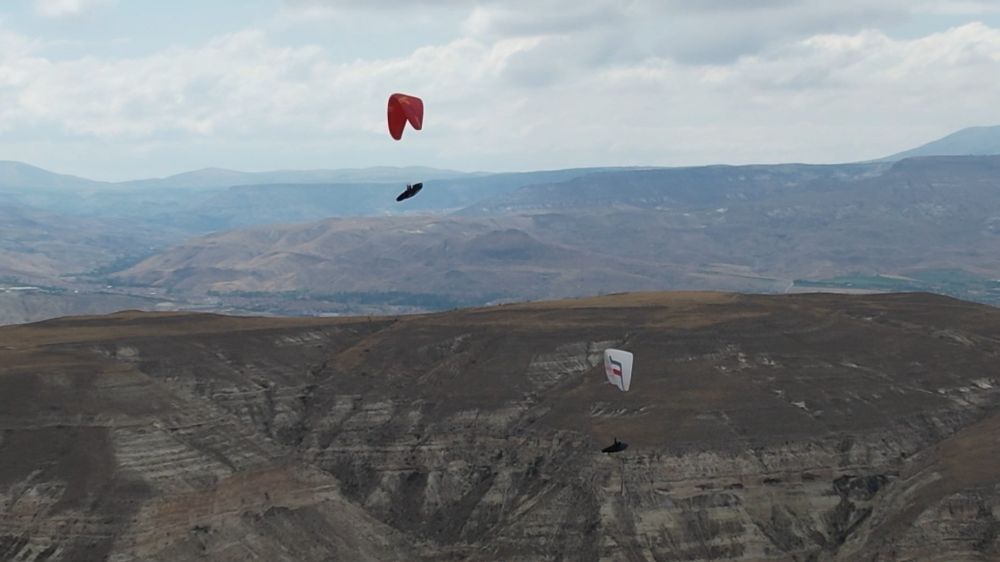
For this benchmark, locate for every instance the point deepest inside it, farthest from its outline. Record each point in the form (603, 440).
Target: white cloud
(544, 17)
(64, 8)
(507, 92)
(957, 7)
(375, 5)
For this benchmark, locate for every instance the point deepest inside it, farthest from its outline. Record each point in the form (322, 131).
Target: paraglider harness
(615, 447)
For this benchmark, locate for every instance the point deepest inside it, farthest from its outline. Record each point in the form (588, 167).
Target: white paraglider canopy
(618, 368)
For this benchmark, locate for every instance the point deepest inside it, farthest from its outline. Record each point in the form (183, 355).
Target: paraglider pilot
(411, 190)
(615, 447)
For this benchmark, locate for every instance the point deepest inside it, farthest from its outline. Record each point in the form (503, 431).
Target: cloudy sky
(119, 89)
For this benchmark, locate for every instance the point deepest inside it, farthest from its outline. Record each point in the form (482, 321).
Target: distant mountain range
(218, 177)
(973, 141)
(745, 228)
(212, 200)
(336, 240)
(17, 175)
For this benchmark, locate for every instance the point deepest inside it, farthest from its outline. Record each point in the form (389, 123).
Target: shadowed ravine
(808, 427)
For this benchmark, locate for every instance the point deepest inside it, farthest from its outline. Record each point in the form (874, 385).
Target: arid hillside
(799, 427)
(926, 224)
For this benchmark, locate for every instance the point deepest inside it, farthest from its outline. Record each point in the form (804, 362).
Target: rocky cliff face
(811, 427)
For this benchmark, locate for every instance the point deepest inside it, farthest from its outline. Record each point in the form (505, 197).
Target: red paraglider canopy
(403, 108)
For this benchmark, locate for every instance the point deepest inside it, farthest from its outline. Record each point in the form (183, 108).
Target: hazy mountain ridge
(223, 204)
(220, 177)
(916, 224)
(725, 228)
(18, 175)
(287, 203)
(84, 235)
(40, 247)
(972, 141)
(690, 188)
(459, 258)
(25, 176)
